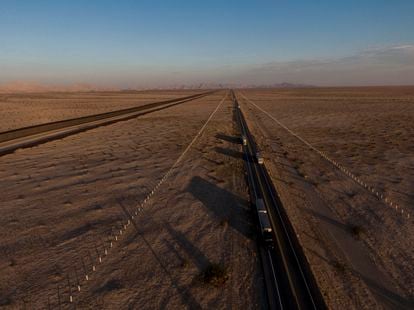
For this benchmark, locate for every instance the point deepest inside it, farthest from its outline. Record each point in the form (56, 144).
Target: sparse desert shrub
(215, 274)
(339, 266)
(57, 272)
(356, 231)
(313, 182)
(351, 194)
(12, 262)
(5, 301)
(111, 285)
(224, 222)
(251, 233)
(300, 173)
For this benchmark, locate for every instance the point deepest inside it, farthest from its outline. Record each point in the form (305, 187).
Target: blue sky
(144, 43)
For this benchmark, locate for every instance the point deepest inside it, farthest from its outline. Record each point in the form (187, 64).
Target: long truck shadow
(196, 255)
(327, 219)
(231, 139)
(390, 298)
(229, 152)
(222, 204)
(184, 292)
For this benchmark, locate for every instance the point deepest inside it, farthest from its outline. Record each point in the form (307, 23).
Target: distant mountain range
(33, 87)
(235, 85)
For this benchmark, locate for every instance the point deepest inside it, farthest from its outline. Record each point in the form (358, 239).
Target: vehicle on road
(244, 140)
(259, 158)
(260, 206)
(264, 221)
(265, 227)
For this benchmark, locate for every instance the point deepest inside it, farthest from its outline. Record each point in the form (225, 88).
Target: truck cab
(259, 158)
(244, 140)
(265, 227)
(260, 206)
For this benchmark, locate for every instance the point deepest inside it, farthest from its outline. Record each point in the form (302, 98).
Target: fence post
(58, 291)
(97, 253)
(70, 289)
(91, 259)
(84, 269)
(77, 279)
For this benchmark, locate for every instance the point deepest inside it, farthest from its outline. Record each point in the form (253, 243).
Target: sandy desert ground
(360, 248)
(64, 201)
(25, 109)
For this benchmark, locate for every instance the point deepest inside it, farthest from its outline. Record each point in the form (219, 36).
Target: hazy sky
(160, 43)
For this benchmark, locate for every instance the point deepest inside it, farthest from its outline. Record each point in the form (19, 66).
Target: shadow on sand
(388, 298)
(231, 139)
(222, 204)
(184, 292)
(229, 152)
(327, 219)
(199, 259)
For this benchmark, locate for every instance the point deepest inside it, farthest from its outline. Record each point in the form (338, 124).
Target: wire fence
(63, 295)
(403, 212)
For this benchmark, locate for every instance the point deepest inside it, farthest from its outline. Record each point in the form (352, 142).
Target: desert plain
(359, 246)
(65, 203)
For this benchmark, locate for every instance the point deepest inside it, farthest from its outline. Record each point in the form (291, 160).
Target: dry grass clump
(215, 274)
(5, 301)
(339, 266)
(12, 262)
(111, 285)
(224, 222)
(184, 263)
(300, 172)
(351, 193)
(356, 231)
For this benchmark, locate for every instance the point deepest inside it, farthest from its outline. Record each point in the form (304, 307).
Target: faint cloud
(402, 47)
(392, 65)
